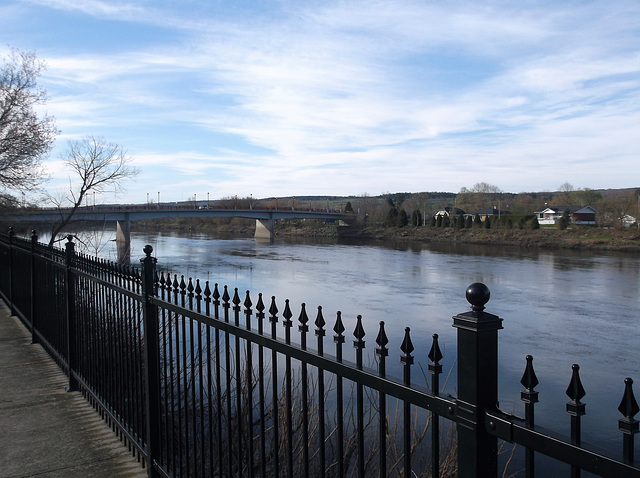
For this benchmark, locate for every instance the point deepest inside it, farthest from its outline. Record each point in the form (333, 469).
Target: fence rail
(198, 380)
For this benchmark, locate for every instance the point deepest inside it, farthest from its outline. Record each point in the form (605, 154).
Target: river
(561, 307)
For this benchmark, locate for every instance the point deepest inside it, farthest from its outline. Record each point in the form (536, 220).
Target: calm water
(560, 307)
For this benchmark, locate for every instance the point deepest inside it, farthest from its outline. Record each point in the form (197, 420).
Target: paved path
(46, 432)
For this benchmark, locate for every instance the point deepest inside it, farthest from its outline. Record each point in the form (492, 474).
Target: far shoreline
(576, 238)
(584, 238)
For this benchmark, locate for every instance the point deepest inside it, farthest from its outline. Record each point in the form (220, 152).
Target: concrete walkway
(45, 431)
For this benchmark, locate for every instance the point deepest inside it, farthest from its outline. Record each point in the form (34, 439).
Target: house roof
(489, 212)
(570, 209)
(448, 211)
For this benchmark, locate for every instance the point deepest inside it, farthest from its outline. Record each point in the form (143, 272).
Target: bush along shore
(580, 238)
(577, 237)
(587, 238)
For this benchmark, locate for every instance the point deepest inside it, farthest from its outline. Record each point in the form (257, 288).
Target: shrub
(468, 222)
(534, 224)
(403, 219)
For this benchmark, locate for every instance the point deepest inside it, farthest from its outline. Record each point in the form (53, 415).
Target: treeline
(510, 210)
(468, 221)
(397, 216)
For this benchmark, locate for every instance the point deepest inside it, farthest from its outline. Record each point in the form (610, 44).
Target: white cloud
(110, 9)
(376, 96)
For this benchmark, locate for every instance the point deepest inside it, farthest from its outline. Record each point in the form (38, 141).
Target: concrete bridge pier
(264, 229)
(123, 240)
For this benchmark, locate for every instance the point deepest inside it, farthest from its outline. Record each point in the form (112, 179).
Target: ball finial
(478, 295)
(147, 250)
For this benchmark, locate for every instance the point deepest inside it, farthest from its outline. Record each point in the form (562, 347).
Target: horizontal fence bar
(446, 408)
(543, 441)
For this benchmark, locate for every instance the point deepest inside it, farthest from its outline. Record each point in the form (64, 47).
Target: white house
(448, 212)
(628, 221)
(580, 215)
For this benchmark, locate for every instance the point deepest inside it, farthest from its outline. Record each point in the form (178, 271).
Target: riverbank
(577, 238)
(590, 238)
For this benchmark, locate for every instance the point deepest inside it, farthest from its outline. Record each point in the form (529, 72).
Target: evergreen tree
(534, 223)
(564, 220)
(392, 216)
(468, 222)
(477, 222)
(416, 218)
(487, 222)
(403, 218)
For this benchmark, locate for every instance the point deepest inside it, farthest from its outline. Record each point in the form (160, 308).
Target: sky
(292, 98)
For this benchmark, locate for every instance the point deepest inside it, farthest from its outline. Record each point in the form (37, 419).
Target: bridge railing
(174, 207)
(200, 380)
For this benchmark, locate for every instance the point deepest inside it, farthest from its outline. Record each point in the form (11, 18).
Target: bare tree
(617, 207)
(566, 188)
(98, 166)
(25, 137)
(565, 195)
(481, 195)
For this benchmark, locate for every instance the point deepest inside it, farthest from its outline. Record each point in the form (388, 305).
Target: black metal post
(435, 369)
(628, 425)
(11, 307)
(530, 397)
(407, 360)
(576, 409)
(70, 285)
(359, 344)
(152, 362)
(477, 385)
(32, 291)
(382, 352)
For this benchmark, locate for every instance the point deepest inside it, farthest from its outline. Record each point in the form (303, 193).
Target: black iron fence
(198, 380)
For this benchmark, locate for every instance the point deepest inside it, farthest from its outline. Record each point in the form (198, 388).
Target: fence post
(11, 271)
(70, 283)
(152, 362)
(477, 385)
(32, 291)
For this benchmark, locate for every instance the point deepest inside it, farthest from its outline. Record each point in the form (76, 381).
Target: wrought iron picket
(196, 385)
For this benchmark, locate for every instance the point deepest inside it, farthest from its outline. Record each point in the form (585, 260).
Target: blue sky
(279, 98)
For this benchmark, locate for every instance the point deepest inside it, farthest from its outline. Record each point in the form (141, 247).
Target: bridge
(123, 215)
